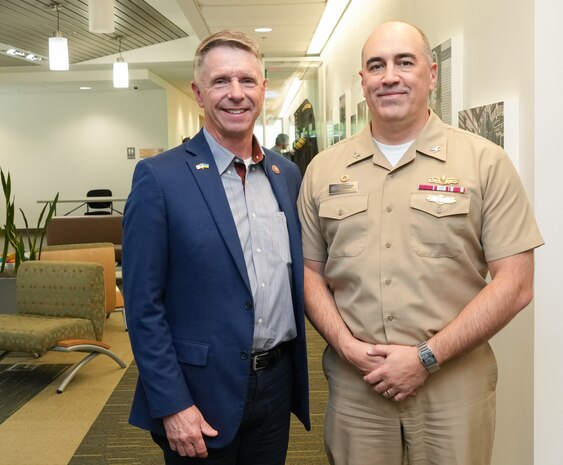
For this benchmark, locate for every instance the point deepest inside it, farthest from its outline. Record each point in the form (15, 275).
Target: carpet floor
(112, 440)
(21, 382)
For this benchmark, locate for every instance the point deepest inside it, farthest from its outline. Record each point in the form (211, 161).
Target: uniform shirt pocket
(437, 223)
(344, 224)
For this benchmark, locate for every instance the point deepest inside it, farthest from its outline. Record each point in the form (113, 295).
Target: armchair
(98, 252)
(60, 307)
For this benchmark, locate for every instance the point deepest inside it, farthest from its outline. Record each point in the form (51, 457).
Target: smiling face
(397, 77)
(230, 87)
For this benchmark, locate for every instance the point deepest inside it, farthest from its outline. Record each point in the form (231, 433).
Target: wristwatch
(427, 357)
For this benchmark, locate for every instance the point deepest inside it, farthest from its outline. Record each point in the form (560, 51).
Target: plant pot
(8, 294)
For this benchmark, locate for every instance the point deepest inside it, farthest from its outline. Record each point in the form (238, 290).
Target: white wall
(184, 113)
(548, 374)
(72, 142)
(498, 50)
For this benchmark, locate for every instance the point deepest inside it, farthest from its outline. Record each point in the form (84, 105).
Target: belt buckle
(255, 359)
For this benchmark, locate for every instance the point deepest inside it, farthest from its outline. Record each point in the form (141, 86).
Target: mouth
(235, 111)
(391, 94)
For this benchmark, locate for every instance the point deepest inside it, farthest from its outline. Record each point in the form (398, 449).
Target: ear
(361, 73)
(433, 75)
(197, 94)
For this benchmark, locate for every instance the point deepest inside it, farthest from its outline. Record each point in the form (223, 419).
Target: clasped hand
(393, 371)
(399, 372)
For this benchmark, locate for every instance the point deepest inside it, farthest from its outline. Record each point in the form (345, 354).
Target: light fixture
(20, 54)
(331, 15)
(263, 29)
(120, 70)
(58, 46)
(290, 96)
(100, 16)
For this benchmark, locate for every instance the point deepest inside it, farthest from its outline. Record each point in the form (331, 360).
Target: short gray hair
(225, 38)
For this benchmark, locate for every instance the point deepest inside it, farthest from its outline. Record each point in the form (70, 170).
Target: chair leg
(122, 310)
(93, 352)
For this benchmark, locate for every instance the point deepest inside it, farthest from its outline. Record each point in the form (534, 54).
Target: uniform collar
(431, 142)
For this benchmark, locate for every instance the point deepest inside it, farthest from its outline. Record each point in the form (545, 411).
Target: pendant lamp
(58, 47)
(120, 71)
(100, 16)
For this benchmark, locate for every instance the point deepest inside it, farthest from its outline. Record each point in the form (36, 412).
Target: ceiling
(157, 38)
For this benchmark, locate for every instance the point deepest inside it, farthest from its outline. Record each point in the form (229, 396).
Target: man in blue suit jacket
(213, 278)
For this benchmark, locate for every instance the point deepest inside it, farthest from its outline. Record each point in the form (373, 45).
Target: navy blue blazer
(187, 294)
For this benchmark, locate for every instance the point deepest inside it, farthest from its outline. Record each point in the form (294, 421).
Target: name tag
(343, 188)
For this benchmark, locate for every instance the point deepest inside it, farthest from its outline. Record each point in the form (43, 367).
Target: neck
(239, 144)
(398, 132)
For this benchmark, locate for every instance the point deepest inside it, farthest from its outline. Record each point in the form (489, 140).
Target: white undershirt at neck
(393, 152)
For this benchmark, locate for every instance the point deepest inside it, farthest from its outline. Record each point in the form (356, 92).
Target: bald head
(394, 30)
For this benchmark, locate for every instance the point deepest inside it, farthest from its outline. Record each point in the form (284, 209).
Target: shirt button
(389, 318)
(258, 249)
(253, 168)
(340, 212)
(260, 321)
(253, 215)
(262, 285)
(248, 305)
(391, 175)
(389, 209)
(388, 245)
(387, 282)
(244, 355)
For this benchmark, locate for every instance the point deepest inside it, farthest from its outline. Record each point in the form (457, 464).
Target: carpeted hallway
(87, 424)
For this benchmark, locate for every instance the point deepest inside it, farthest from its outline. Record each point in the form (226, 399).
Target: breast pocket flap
(343, 206)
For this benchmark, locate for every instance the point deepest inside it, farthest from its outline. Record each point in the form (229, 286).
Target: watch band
(427, 357)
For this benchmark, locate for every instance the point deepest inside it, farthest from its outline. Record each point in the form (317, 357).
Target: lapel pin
(202, 166)
(275, 169)
(435, 149)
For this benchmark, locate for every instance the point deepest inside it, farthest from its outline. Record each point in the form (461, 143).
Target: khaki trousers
(451, 420)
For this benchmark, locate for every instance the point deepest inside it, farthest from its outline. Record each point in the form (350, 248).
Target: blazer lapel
(202, 165)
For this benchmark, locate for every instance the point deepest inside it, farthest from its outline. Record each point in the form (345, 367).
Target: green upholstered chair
(97, 252)
(61, 307)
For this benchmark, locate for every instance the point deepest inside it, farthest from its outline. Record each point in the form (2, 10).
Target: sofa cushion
(37, 334)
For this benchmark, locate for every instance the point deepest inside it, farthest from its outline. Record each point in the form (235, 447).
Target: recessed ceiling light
(85, 88)
(263, 29)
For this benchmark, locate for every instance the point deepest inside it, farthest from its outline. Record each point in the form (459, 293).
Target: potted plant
(25, 246)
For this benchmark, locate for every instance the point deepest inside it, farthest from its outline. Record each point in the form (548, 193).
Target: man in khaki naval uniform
(401, 225)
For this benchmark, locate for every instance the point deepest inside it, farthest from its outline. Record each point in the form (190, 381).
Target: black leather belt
(268, 358)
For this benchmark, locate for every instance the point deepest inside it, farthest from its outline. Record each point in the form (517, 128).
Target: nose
(390, 75)
(235, 90)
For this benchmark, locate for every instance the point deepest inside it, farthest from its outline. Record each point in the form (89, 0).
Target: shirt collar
(224, 157)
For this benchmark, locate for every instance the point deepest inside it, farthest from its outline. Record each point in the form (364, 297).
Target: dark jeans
(263, 435)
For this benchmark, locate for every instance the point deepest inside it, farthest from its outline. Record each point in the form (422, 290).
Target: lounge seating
(86, 229)
(61, 307)
(100, 252)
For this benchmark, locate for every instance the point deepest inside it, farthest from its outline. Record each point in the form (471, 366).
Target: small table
(84, 200)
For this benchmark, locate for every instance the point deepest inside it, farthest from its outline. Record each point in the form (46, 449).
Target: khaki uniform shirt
(401, 261)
